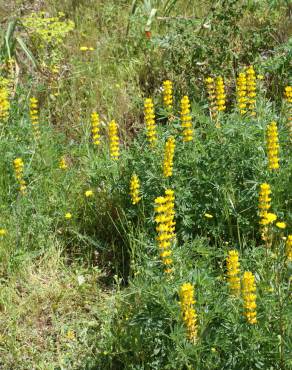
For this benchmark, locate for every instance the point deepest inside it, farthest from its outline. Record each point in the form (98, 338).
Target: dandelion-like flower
(95, 123)
(249, 297)
(289, 248)
(63, 164)
(150, 121)
(168, 157)
(273, 146)
(251, 90)
(4, 100)
(114, 140)
(186, 120)
(220, 94)
(211, 91)
(167, 94)
(187, 304)
(18, 170)
(135, 189)
(241, 93)
(34, 117)
(233, 272)
(164, 210)
(288, 98)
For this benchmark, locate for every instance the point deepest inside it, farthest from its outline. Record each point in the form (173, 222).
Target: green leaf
(27, 51)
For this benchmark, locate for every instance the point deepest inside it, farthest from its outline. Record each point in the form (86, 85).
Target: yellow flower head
(281, 225)
(3, 232)
(233, 271)
(88, 193)
(114, 140)
(150, 123)
(208, 215)
(167, 94)
(68, 216)
(187, 303)
(249, 297)
(135, 189)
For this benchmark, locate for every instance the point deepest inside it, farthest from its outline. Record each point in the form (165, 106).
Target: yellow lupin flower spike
(220, 94)
(18, 170)
(241, 93)
(211, 91)
(233, 272)
(167, 94)
(251, 90)
(289, 248)
(187, 304)
(114, 140)
(186, 119)
(34, 117)
(288, 98)
(4, 100)
(266, 218)
(249, 297)
(168, 157)
(135, 189)
(273, 146)
(150, 121)
(63, 163)
(95, 123)
(164, 209)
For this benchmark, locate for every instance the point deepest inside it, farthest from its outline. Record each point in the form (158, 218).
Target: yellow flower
(3, 232)
(70, 335)
(18, 170)
(249, 297)
(88, 193)
(186, 120)
(168, 157)
(149, 116)
(63, 163)
(273, 146)
(289, 248)
(167, 94)
(68, 216)
(281, 225)
(208, 215)
(34, 117)
(95, 129)
(233, 271)
(135, 189)
(187, 302)
(83, 48)
(260, 77)
(114, 140)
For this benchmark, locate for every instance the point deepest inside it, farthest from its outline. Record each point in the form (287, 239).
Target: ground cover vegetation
(146, 180)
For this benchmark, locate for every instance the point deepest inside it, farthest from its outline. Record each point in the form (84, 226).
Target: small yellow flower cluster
(265, 204)
(273, 146)
(168, 157)
(186, 119)
(135, 189)
(114, 140)
(251, 90)
(68, 216)
(18, 169)
(86, 48)
(288, 97)
(89, 193)
(233, 272)
(3, 232)
(211, 91)
(34, 117)
(220, 94)
(289, 248)
(150, 121)
(95, 128)
(249, 297)
(63, 164)
(4, 99)
(167, 94)
(164, 209)
(241, 92)
(190, 317)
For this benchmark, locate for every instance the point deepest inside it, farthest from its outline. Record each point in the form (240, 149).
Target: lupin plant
(150, 123)
(289, 248)
(63, 164)
(288, 98)
(211, 91)
(249, 297)
(167, 94)
(18, 170)
(273, 146)
(34, 117)
(241, 93)
(233, 271)
(135, 189)
(95, 123)
(114, 145)
(251, 91)
(4, 100)
(186, 120)
(266, 217)
(164, 210)
(220, 94)
(168, 157)
(189, 315)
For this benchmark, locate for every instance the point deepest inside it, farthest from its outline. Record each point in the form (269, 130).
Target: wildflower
(251, 90)
(249, 297)
(268, 219)
(273, 146)
(150, 121)
(83, 48)
(68, 216)
(168, 157)
(220, 94)
(4, 100)
(281, 225)
(88, 193)
(135, 189)
(63, 163)
(211, 91)
(289, 248)
(3, 232)
(241, 93)
(167, 94)
(70, 335)
(114, 140)
(208, 215)
(186, 119)
(190, 318)
(18, 170)
(34, 117)
(95, 128)
(233, 272)
(288, 98)
(164, 209)
(264, 200)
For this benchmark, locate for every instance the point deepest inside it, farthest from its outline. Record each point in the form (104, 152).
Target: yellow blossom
(135, 189)
(187, 304)
(167, 94)
(34, 117)
(150, 121)
(208, 215)
(68, 216)
(273, 146)
(233, 272)
(63, 163)
(95, 129)
(88, 193)
(114, 140)
(168, 157)
(3, 232)
(281, 225)
(289, 248)
(18, 170)
(249, 297)
(186, 120)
